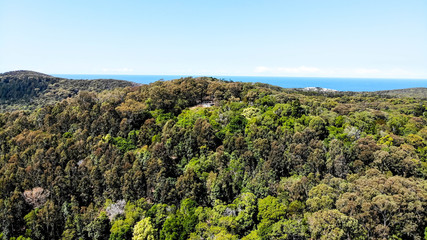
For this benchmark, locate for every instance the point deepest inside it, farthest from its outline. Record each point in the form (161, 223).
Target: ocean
(341, 84)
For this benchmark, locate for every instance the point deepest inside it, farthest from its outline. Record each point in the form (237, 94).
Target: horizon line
(252, 76)
(225, 76)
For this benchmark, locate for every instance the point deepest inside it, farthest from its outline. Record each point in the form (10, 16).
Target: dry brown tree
(36, 196)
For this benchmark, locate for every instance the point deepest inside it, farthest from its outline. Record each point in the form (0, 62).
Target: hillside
(27, 90)
(201, 158)
(408, 92)
(420, 92)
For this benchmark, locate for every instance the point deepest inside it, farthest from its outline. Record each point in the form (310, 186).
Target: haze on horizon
(309, 38)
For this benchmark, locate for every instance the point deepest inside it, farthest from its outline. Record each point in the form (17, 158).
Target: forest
(202, 158)
(28, 90)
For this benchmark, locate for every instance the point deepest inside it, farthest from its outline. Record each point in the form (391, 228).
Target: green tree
(144, 230)
(99, 228)
(332, 224)
(120, 230)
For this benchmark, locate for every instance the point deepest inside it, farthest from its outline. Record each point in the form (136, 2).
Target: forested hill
(420, 92)
(201, 158)
(26, 90)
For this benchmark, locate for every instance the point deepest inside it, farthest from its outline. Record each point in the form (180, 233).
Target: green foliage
(200, 158)
(251, 112)
(237, 123)
(144, 230)
(267, 100)
(321, 197)
(99, 228)
(29, 90)
(123, 144)
(67, 135)
(180, 225)
(269, 208)
(290, 229)
(397, 124)
(332, 224)
(120, 230)
(172, 229)
(270, 211)
(319, 126)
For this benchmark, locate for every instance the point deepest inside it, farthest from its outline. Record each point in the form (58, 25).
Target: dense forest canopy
(28, 90)
(201, 158)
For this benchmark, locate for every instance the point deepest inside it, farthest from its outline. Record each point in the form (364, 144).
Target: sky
(304, 38)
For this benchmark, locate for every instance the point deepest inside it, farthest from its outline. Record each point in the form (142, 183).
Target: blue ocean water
(341, 84)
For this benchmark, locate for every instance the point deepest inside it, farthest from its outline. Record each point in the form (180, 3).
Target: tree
(120, 230)
(332, 224)
(321, 197)
(99, 228)
(319, 127)
(144, 230)
(270, 211)
(36, 197)
(336, 162)
(172, 228)
(386, 206)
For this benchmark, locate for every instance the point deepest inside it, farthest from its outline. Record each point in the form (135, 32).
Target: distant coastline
(340, 84)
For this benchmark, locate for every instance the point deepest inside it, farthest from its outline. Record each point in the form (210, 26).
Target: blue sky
(310, 38)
